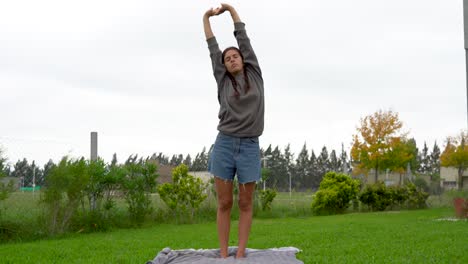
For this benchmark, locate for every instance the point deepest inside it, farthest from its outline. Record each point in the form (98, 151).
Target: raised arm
(234, 14)
(215, 53)
(206, 22)
(242, 39)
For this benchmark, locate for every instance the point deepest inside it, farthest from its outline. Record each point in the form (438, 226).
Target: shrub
(398, 195)
(185, 194)
(376, 196)
(65, 183)
(335, 193)
(266, 198)
(416, 197)
(421, 184)
(138, 184)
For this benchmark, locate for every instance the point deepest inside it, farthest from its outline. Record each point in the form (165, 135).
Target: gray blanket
(285, 255)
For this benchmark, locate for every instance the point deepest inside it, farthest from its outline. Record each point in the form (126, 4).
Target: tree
(400, 153)
(336, 192)
(46, 170)
(345, 166)
(5, 188)
(66, 183)
(279, 175)
(372, 141)
(188, 161)
(335, 163)
(455, 155)
(200, 163)
(138, 183)
(288, 157)
(424, 160)
(314, 180)
(3, 164)
(185, 194)
(20, 169)
(434, 161)
(323, 163)
(302, 168)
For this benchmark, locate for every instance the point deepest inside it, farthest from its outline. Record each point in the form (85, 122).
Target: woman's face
(233, 62)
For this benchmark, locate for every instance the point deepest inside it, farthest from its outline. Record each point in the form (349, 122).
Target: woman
(241, 116)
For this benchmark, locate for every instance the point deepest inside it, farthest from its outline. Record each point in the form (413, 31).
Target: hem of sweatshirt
(239, 135)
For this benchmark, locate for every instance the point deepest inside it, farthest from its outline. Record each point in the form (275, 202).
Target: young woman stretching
(241, 115)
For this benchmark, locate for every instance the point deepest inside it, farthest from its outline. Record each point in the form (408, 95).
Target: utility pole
(94, 157)
(34, 178)
(465, 20)
(94, 153)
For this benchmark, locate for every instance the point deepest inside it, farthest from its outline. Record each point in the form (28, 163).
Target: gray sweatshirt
(241, 116)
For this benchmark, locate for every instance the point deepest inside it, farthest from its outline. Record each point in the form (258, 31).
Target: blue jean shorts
(235, 156)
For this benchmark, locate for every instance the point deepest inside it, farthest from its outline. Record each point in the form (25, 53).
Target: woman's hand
(225, 7)
(211, 12)
(218, 10)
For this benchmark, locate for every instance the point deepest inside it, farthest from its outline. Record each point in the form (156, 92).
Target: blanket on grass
(284, 255)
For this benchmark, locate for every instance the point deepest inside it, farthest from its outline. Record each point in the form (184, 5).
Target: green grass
(388, 237)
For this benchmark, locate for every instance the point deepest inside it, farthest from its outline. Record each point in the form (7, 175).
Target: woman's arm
(206, 22)
(242, 39)
(215, 53)
(234, 14)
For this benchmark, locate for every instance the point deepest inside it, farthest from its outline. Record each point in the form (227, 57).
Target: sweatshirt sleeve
(245, 47)
(215, 54)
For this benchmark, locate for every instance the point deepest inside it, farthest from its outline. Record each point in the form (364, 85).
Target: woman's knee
(224, 204)
(245, 204)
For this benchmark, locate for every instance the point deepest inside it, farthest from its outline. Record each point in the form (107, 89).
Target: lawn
(386, 237)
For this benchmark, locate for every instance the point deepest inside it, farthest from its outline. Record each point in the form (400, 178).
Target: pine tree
(47, 168)
(434, 168)
(302, 169)
(3, 165)
(279, 175)
(314, 179)
(345, 164)
(323, 163)
(288, 158)
(173, 160)
(424, 160)
(114, 159)
(335, 163)
(188, 161)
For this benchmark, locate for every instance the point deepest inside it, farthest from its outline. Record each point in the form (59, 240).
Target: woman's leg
(245, 220)
(223, 217)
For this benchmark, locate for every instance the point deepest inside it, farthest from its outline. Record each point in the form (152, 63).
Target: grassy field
(387, 237)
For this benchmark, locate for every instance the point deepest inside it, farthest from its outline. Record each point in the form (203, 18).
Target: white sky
(139, 73)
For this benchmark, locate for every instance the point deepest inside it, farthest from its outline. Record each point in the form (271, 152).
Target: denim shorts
(235, 156)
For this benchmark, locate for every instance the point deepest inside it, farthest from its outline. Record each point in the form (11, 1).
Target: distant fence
(30, 189)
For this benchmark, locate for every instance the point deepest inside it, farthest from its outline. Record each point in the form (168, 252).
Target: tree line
(306, 169)
(379, 145)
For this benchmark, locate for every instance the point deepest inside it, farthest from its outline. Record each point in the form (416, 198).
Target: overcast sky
(139, 73)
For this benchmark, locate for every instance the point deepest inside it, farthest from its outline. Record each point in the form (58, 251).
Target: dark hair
(233, 80)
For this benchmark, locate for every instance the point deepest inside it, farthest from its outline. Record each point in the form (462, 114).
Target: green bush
(376, 196)
(421, 184)
(416, 197)
(398, 195)
(185, 194)
(64, 193)
(266, 198)
(138, 184)
(335, 193)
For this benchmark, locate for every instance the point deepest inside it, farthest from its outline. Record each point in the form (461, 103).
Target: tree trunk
(376, 173)
(460, 178)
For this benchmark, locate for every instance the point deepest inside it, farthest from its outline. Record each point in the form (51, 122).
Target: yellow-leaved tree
(377, 136)
(455, 155)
